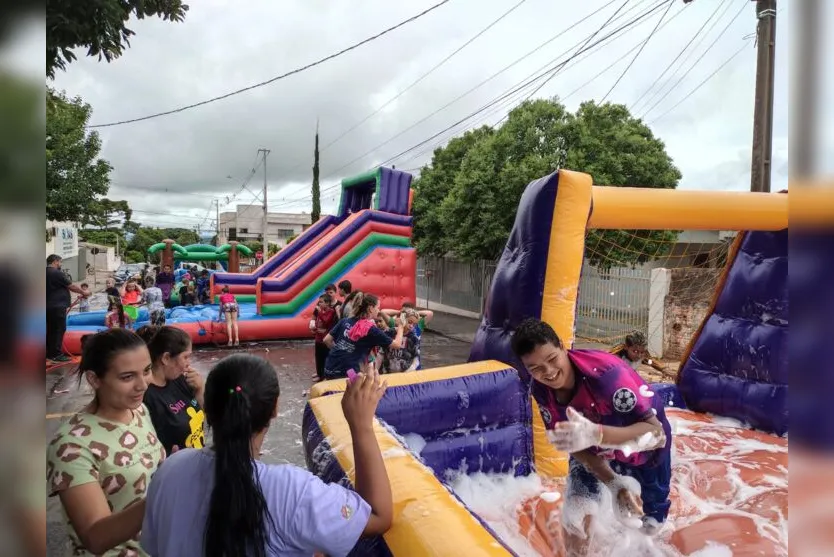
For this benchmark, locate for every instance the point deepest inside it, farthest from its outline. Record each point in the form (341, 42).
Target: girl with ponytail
(221, 501)
(353, 338)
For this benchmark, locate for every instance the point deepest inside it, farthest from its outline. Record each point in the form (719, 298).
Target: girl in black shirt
(175, 392)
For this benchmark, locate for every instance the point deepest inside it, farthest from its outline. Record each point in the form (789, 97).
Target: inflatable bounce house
(368, 242)
(454, 439)
(227, 255)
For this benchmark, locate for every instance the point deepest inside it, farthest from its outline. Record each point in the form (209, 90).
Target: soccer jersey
(608, 392)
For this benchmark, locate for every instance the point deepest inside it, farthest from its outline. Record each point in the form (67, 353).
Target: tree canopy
(465, 200)
(99, 26)
(75, 176)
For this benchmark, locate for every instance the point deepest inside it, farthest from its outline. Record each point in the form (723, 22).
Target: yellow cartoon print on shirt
(196, 439)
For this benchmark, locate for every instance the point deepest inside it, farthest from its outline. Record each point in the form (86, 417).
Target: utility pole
(763, 113)
(217, 220)
(266, 209)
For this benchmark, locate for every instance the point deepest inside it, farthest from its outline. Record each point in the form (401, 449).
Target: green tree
(99, 26)
(617, 149)
(103, 236)
(479, 211)
(75, 175)
(105, 213)
(315, 215)
(432, 187)
(475, 216)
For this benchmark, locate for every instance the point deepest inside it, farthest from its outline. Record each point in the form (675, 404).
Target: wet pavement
(294, 363)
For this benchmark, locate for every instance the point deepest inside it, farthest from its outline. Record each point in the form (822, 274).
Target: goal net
(658, 283)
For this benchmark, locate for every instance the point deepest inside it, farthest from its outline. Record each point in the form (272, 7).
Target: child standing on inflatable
(165, 282)
(229, 310)
(598, 409)
(154, 299)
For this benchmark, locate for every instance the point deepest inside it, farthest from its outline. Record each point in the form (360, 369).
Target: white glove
(576, 434)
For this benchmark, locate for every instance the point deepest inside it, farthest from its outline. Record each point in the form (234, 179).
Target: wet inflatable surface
(729, 497)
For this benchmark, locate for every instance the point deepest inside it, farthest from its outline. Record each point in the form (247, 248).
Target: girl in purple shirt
(598, 409)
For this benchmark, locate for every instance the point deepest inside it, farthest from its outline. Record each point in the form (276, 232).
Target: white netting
(659, 283)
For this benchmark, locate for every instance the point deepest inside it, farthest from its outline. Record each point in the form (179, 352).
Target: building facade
(246, 224)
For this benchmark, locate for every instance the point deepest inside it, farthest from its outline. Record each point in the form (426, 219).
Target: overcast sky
(208, 151)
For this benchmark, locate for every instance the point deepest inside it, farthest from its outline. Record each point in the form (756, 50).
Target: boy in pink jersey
(598, 409)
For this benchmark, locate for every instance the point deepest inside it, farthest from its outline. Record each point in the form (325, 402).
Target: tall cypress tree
(316, 213)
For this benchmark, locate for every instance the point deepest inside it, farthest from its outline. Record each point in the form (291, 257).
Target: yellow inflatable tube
(428, 519)
(550, 463)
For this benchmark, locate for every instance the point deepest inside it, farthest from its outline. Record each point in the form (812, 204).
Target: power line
(662, 17)
(672, 63)
(282, 76)
(503, 97)
(433, 69)
(692, 67)
(511, 100)
(693, 91)
(555, 69)
(615, 62)
(604, 25)
(689, 54)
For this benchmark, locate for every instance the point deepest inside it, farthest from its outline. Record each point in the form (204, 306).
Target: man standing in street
(58, 301)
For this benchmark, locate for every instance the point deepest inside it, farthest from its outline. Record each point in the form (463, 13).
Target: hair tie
(236, 389)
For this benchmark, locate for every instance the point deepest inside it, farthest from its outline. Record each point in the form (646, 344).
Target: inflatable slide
(368, 243)
(464, 446)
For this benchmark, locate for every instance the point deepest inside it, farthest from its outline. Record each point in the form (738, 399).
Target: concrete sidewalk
(455, 327)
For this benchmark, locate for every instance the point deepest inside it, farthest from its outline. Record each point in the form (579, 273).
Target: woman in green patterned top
(101, 461)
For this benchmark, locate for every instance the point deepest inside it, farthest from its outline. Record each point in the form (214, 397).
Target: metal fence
(612, 303)
(454, 283)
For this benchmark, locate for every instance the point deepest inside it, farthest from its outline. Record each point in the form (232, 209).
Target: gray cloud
(223, 46)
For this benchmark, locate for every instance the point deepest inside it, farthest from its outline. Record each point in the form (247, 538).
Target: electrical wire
(559, 67)
(672, 63)
(422, 77)
(662, 17)
(695, 90)
(615, 62)
(689, 54)
(692, 67)
(282, 76)
(506, 95)
(511, 101)
(604, 25)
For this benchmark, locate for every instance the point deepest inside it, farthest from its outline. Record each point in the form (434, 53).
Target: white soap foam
(415, 443)
(646, 391)
(550, 496)
(394, 452)
(713, 550)
(496, 498)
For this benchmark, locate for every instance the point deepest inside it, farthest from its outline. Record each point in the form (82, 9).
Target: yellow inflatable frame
(429, 520)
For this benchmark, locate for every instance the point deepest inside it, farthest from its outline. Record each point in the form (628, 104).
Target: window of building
(284, 232)
(232, 234)
(244, 231)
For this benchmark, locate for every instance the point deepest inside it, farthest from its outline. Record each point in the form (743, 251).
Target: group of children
(352, 332)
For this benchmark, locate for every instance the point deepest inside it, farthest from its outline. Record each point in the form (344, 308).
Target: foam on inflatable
(445, 430)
